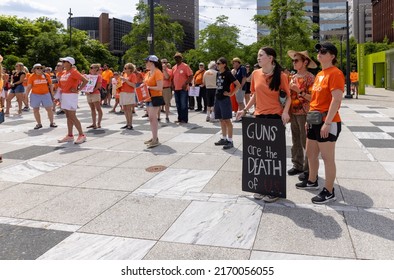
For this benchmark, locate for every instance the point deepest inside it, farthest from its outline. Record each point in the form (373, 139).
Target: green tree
(167, 35)
(289, 29)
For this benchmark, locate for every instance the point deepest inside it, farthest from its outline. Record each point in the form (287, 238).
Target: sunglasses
(218, 63)
(295, 60)
(38, 68)
(322, 51)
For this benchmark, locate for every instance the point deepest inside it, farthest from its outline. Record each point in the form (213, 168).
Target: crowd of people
(224, 93)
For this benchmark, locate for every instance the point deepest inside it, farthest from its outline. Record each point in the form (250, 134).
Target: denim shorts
(18, 89)
(223, 109)
(41, 99)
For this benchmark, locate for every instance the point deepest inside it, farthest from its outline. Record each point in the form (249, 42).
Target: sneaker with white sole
(258, 196)
(153, 143)
(80, 139)
(308, 185)
(324, 197)
(66, 139)
(221, 142)
(148, 141)
(270, 198)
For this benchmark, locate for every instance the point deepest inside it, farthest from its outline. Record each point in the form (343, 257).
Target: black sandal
(53, 125)
(38, 126)
(91, 126)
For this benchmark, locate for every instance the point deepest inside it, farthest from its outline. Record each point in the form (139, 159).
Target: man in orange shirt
(354, 81)
(107, 75)
(197, 81)
(182, 76)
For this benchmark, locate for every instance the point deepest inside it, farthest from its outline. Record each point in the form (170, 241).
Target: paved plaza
(98, 201)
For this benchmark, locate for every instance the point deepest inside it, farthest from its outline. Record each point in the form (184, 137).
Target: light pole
(348, 94)
(150, 38)
(69, 19)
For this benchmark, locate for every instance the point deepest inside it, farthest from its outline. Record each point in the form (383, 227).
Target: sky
(239, 12)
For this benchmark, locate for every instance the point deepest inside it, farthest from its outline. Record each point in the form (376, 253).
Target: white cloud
(23, 6)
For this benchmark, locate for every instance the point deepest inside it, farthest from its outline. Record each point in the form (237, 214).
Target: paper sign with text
(194, 91)
(264, 156)
(92, 80)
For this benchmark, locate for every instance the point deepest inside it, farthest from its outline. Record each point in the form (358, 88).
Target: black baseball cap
(327, 46)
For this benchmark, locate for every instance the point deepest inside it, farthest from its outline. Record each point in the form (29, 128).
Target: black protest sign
(264, 156)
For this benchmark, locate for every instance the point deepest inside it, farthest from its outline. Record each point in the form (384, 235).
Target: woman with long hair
(17, 88)
(265, 85)
(154, 83)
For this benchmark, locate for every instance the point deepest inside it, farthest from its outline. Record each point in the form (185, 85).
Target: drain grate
(156, 168)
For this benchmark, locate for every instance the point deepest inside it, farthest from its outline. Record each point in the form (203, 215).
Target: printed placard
(92, 80)
(264, 156)
(142, 92)
(194, 91)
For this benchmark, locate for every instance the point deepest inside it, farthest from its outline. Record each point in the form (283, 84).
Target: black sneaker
(307, 185)
(229, 145)
(294, 171)
(221, 142)
(324, 197)
(303, 176)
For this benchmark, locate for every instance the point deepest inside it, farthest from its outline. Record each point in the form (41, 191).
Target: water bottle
(282, 97)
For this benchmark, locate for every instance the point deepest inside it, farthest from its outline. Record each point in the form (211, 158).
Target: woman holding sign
(326, 99)
(154, 83)
(265, 85)
(93, 95)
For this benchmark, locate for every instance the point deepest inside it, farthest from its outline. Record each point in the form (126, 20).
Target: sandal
(92, 126)
(38, 126)
(53, 125)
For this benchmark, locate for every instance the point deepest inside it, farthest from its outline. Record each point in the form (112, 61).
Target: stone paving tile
(372, 234)
(30, 152)
(262, 255)
(225, 182)
(99, 132)
(177, 251)
(201, 161)
(120, 179)
(216, 224)
(67, 155)
(138, 217)
(20, 198)
(81, 246)
(77, 206)
(106, 158)
(304, 231)
(364, 129)
(69, 175)
(370, 170)
(25, 243)
(145, 160)
(5, 185)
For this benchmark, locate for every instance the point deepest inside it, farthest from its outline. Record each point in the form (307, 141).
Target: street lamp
(70, 14)
(348, 94)
(152, 27)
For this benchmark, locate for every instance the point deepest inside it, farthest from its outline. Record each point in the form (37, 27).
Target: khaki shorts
(95, 97)
(167, 95)
(127, 98)
(69, 101)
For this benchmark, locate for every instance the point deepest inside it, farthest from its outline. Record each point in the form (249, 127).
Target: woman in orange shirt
(327, 94)
(265, 85)
(127, 94)
(154, 82)
(69, 87)
(41, 88)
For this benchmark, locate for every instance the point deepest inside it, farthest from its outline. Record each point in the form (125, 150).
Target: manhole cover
(156, 168)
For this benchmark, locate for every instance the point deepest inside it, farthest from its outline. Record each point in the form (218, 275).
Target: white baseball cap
(68, 59)
(37, 65)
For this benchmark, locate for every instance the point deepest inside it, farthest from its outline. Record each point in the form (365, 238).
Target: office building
(186, 13)
(106, 30)
(382, 20)
(360, 23)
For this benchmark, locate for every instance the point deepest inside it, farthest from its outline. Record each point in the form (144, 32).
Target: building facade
(360, 27)
(186, 13)
(106, 30)
(382, 20)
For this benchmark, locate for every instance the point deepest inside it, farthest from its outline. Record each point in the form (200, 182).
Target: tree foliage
(44, 41)
(167, 35)
(289, 29)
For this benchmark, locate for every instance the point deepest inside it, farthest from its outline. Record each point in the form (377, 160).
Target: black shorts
(313, 132)
(211, 96)
(223, 109)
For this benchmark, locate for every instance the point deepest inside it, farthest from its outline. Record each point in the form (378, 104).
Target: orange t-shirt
(126, 87)
(326, 81)
(107, 75)
(198, 77)
(353, 77)
(69, 80)
(39, 84)
(267, 100)
(151, 80)
(180, 74)
(167, 82)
